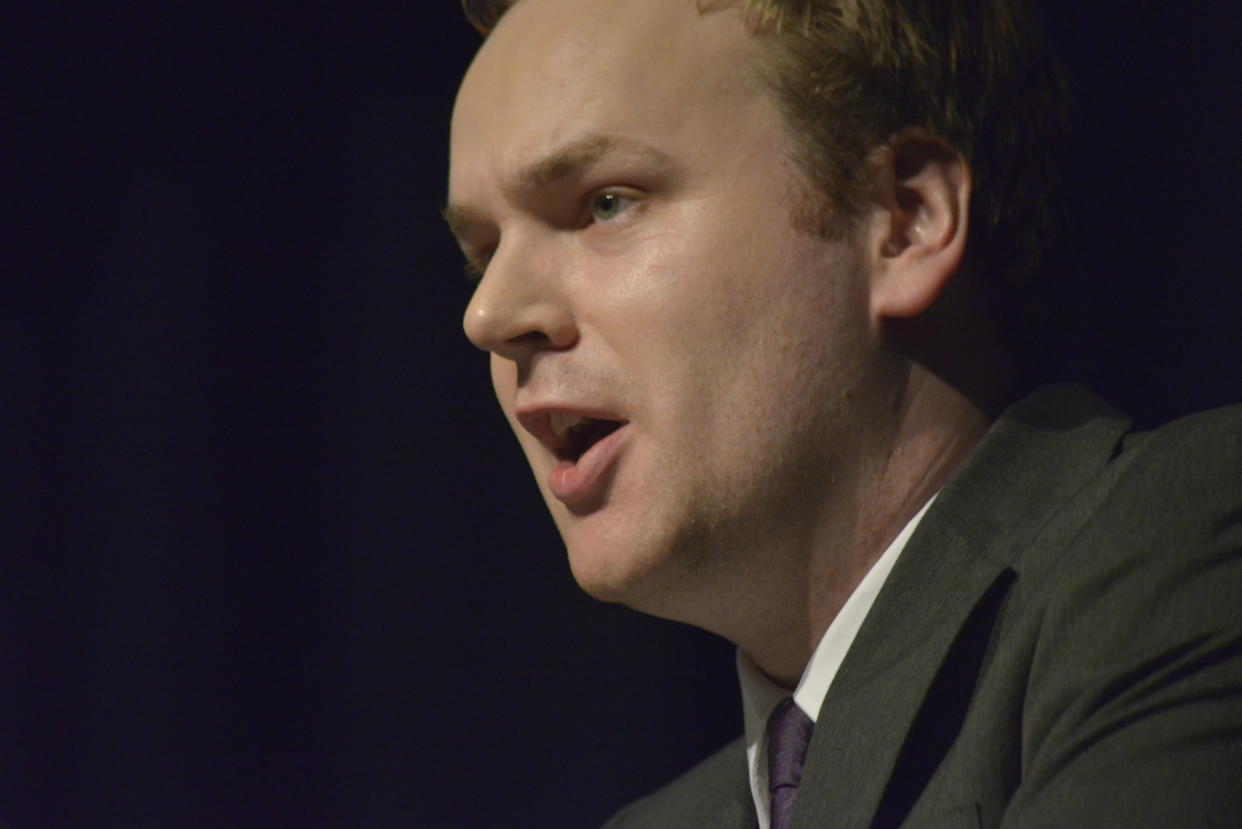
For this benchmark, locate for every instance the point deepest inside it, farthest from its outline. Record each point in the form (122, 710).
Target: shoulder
(1062, 471)
(1209, 437)
(1158, 531)
(1172, 497)
(716, 792)
(1136, 670)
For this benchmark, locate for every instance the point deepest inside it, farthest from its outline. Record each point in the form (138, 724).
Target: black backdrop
(270, 557)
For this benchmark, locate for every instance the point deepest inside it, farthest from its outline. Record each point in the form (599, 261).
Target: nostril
(532, 339)
(544, 328)
(510, 316)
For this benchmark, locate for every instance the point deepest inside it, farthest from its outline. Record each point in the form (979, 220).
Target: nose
(519, 308)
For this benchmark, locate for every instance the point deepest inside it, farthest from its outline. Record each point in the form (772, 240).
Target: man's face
(625, 177)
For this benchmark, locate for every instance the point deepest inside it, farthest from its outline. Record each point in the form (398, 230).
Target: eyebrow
(459, 219)
(566, 162)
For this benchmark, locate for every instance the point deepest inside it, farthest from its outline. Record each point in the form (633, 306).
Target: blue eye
(608, 206)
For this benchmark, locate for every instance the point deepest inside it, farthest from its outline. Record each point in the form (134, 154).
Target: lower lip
(573, 483)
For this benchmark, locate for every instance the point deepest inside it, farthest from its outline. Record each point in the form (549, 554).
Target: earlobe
(921, 192)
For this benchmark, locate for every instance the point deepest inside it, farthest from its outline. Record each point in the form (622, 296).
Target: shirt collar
(760, 695)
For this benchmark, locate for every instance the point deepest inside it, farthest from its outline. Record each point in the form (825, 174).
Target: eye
(608, 205)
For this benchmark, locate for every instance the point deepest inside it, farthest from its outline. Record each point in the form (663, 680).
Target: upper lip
(535, 419)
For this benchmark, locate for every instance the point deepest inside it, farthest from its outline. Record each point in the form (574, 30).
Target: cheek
(667, 286)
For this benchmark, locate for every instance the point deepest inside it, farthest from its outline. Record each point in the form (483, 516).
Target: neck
(933, 428)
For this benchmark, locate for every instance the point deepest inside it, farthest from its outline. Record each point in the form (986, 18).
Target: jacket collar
(954, 573)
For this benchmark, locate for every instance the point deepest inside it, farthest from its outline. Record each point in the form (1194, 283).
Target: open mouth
(575, 433)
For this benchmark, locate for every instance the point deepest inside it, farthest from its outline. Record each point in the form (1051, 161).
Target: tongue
(581, 476)
(597, 431)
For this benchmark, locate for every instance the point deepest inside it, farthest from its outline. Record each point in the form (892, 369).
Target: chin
(644, 566)
(610, 560)
(607, 574)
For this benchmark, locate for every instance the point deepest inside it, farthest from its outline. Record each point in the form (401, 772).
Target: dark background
(270, 555)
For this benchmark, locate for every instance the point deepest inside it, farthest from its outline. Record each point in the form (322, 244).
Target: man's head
(849, 74)
(636, 198)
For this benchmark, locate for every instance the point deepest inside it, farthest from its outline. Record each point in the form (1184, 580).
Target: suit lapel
(871, 705)
(930, 623)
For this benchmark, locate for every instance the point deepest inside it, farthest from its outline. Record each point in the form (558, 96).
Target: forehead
(556, 69)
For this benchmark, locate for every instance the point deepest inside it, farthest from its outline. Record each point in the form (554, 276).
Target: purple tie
(789, 731)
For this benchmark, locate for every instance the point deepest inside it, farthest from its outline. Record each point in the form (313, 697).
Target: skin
(622, 178)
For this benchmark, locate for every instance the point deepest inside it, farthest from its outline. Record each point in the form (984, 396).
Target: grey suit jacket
(1060, 644)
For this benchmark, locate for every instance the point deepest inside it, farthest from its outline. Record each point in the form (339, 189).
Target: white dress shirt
(760, 695)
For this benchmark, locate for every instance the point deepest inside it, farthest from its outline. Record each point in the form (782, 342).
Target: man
(743, 271)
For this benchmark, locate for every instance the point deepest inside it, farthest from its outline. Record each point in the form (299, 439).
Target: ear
(921, 195)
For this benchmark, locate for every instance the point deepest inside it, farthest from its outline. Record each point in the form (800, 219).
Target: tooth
(562, 422)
